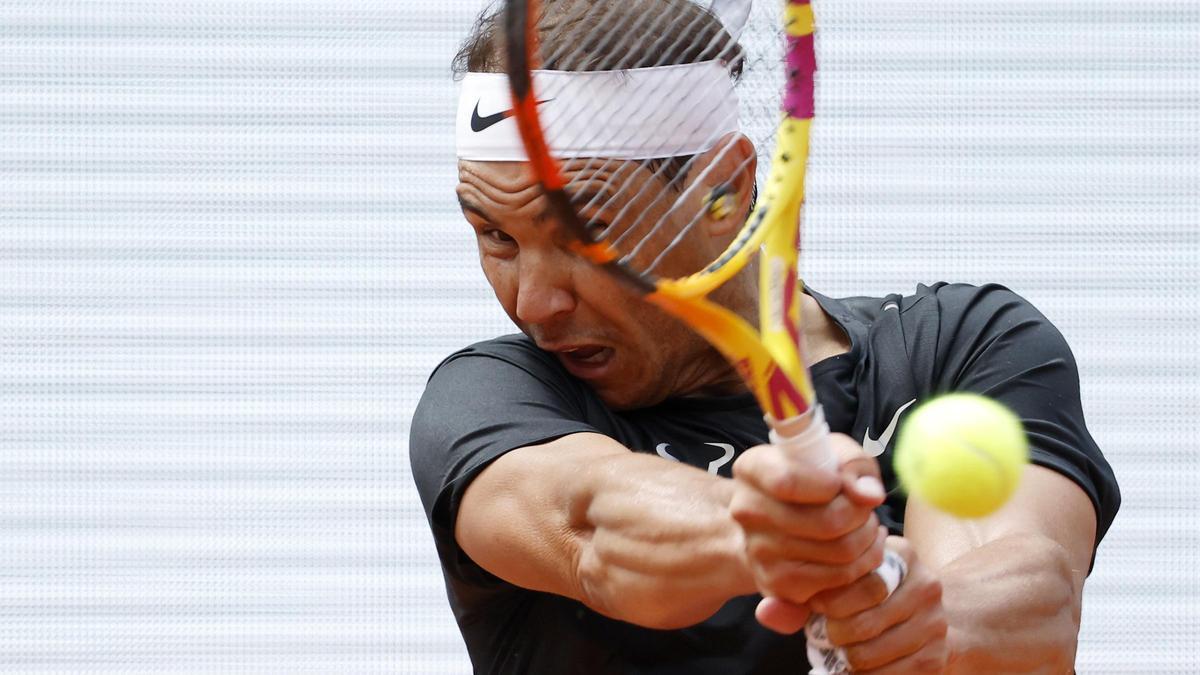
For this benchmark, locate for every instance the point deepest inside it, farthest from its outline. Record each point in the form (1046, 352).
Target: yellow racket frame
(770, 360)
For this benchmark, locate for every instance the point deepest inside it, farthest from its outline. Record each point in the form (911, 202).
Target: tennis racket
(652, 246)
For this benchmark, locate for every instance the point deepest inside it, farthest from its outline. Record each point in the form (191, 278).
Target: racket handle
(806, 437)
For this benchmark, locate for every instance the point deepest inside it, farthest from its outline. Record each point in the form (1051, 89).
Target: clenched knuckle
(784, 485)
(844, 550)
(745, 510)
(859, 657)
(818, 604)
(837, 517)
(843, 575)
(793, 585)
(762, 549)
(865, 626)
(930, 663)
(772, 577)
(795, 574)
(781, 578)
(868, 562)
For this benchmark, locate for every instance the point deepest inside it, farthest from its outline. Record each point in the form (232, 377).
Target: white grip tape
(805, 437)
(823, 656)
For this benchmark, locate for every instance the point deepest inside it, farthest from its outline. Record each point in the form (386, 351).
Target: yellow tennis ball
(962, 453)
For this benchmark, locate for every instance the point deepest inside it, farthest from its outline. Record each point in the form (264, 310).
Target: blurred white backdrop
(231, 256)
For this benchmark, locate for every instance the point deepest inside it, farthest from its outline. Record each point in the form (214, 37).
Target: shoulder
(956, 304)
(961, 331)
(941, 319)
(493, 379)
(507, 364)
(516, 350)
(949, 304)
(943, 323)
(481, 402)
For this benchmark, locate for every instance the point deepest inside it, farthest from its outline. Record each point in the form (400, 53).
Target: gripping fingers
(767, 547)
(796, 581)
(905, 633)
(822, 648)
(919, 592)
(839, 603)
(756, 511)
(900, 642)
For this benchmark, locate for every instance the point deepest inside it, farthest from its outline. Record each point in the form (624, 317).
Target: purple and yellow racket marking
(790, 391)
(798, 94)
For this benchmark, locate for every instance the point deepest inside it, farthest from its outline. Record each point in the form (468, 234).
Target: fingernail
(869, 486)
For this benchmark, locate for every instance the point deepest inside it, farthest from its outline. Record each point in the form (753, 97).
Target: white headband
(672, 111)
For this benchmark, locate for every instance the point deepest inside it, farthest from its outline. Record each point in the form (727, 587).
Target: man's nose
(546, 289)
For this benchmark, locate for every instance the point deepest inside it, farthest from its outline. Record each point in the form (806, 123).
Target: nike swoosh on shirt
(875, 446)
(482, 122)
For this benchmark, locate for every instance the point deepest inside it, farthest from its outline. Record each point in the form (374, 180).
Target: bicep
(1046, 504)
(523, 518)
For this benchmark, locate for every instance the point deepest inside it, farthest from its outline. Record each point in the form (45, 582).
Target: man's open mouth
(585, 361)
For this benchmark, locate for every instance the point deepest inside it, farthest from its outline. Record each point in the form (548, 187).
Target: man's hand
(806, 529)
(881, 635)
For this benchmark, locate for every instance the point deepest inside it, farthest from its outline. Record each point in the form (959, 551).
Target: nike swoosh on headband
(480, 123)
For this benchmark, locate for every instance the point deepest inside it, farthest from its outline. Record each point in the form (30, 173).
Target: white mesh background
(231, 255)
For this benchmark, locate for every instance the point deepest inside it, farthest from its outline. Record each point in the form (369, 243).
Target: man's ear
(724, 183)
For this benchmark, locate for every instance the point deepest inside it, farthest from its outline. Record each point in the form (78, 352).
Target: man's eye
(596, 229)
(498, 236)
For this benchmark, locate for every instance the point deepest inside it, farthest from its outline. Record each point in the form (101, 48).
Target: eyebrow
(468, 205)
(580, 198)
(584, 197)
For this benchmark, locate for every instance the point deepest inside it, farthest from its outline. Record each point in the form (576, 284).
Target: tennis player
(599, 490)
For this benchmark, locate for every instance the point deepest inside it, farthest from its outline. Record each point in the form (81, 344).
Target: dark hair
(579, 35)
(660, 32)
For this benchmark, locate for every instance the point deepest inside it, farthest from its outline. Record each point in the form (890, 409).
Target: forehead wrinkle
(512, 189)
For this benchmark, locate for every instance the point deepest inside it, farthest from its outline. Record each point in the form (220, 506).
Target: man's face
(630, 352)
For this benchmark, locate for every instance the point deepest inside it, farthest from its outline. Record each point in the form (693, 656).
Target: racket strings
(612, 25)
(618, 26)
(634, 247)
(651, 207)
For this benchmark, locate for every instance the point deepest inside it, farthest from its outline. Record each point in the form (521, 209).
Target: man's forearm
(658, 546)
(633, 536)
(1013, 606)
